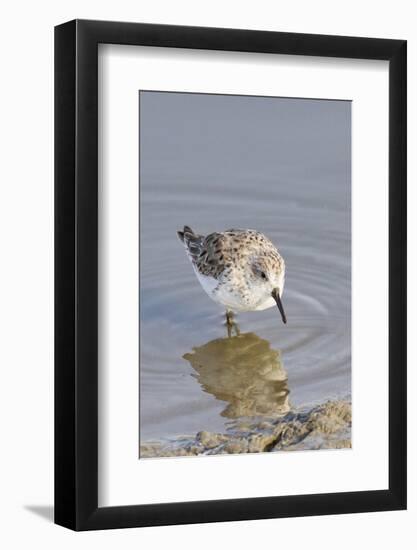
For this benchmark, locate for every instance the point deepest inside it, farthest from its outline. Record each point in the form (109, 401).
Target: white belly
(266, 304)
(208, 283)
(223, 295)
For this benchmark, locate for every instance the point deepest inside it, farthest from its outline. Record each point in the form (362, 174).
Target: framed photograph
(230, 252)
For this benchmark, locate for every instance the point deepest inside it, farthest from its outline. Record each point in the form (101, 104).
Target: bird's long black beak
(277, 298)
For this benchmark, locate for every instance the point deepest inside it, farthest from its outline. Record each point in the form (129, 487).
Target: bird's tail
(192, 242)
(186, 234)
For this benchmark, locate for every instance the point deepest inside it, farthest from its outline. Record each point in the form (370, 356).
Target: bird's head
(267, 278)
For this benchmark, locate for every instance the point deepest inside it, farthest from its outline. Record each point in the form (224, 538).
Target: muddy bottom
(325, 426)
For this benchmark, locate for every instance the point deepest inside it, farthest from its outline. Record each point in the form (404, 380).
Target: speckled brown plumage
(217, 252)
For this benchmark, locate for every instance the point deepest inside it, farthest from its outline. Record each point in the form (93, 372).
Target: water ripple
(178, 318)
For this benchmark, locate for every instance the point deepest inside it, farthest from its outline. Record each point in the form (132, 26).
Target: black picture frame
(76, 272)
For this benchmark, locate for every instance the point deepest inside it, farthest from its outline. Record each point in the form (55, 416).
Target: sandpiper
(239, 268)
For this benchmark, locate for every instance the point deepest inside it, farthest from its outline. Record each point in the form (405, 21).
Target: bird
(240, 269)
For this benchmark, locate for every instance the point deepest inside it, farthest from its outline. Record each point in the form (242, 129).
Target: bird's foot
(231, 324)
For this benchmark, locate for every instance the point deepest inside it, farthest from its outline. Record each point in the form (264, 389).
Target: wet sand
(325, 426)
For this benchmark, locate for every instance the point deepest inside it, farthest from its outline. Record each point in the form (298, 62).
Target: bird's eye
(263, 275)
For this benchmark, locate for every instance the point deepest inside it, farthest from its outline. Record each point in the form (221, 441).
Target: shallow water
(276, 165)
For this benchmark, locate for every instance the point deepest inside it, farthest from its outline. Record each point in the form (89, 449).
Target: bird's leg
(230, 324)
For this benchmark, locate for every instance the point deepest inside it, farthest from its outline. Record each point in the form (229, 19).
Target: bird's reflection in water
(245, 372)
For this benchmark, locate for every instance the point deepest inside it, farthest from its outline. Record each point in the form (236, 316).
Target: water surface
(281, 166)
